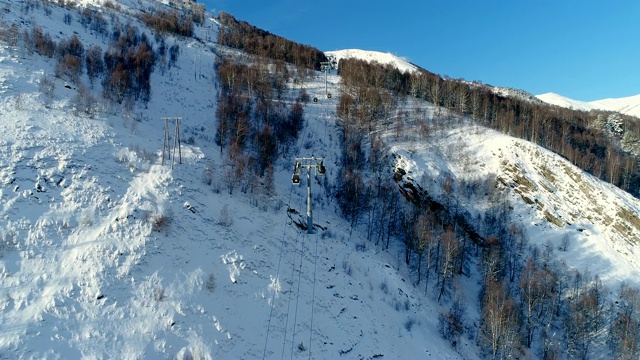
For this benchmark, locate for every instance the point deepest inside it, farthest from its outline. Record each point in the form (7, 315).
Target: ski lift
(295, 179)
(329, 95)
(321, 169)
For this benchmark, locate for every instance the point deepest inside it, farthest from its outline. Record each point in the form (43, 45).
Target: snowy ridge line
(627, 105)
(371, 56)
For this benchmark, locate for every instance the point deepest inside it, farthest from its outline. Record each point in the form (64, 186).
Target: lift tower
(326, 66)
(308, 164)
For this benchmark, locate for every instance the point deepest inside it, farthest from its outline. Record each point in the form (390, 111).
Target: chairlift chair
(321, 169)
(295, 179)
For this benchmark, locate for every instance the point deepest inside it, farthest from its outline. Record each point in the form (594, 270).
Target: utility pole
(165, 142)
(166, 145)
(196, 62)
(308, 164)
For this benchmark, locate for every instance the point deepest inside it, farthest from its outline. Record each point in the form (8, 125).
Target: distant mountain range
(627, 105)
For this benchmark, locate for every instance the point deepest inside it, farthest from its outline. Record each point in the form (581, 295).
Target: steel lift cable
(293, 270)
(273, 297)
(313, 298)
(295, 316)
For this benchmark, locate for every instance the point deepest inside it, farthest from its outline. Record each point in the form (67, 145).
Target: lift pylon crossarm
(326, 65)
(309, 163)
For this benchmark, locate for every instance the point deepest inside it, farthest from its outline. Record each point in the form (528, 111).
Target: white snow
(373, 56)
(601, 240)
(627, 105)
(106, 253)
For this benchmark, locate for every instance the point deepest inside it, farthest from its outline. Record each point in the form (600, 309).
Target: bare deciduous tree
(499, 330)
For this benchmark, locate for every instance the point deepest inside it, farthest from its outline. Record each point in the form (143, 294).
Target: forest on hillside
(255, 125)
(124, 69)
(529, 301)
(598, 142)
(246, 37)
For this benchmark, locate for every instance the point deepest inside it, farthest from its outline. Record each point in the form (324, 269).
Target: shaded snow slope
(628, 105)
(555, 201)
(371, 56)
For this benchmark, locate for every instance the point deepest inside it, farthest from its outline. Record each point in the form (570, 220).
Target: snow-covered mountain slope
(405, 66)
(107, 253)
(371, 56)
(627, 105)
(556, 202)
(562, 101)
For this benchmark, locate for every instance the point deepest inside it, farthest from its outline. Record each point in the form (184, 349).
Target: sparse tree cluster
(361, 108)
(197, 12)
(254, 125)
(435, 239)
(94, 21)
(43, 43)
(47, 86)
(94, 63)
(529, 303)
(624, 330)
(124, 69)
(70, 60)
(173, 22)
(10, 35)
(128, 63)
(360, 73)
(542, 308)
(167, 56)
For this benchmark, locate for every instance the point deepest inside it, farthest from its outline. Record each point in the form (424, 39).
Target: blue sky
(586, 50)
